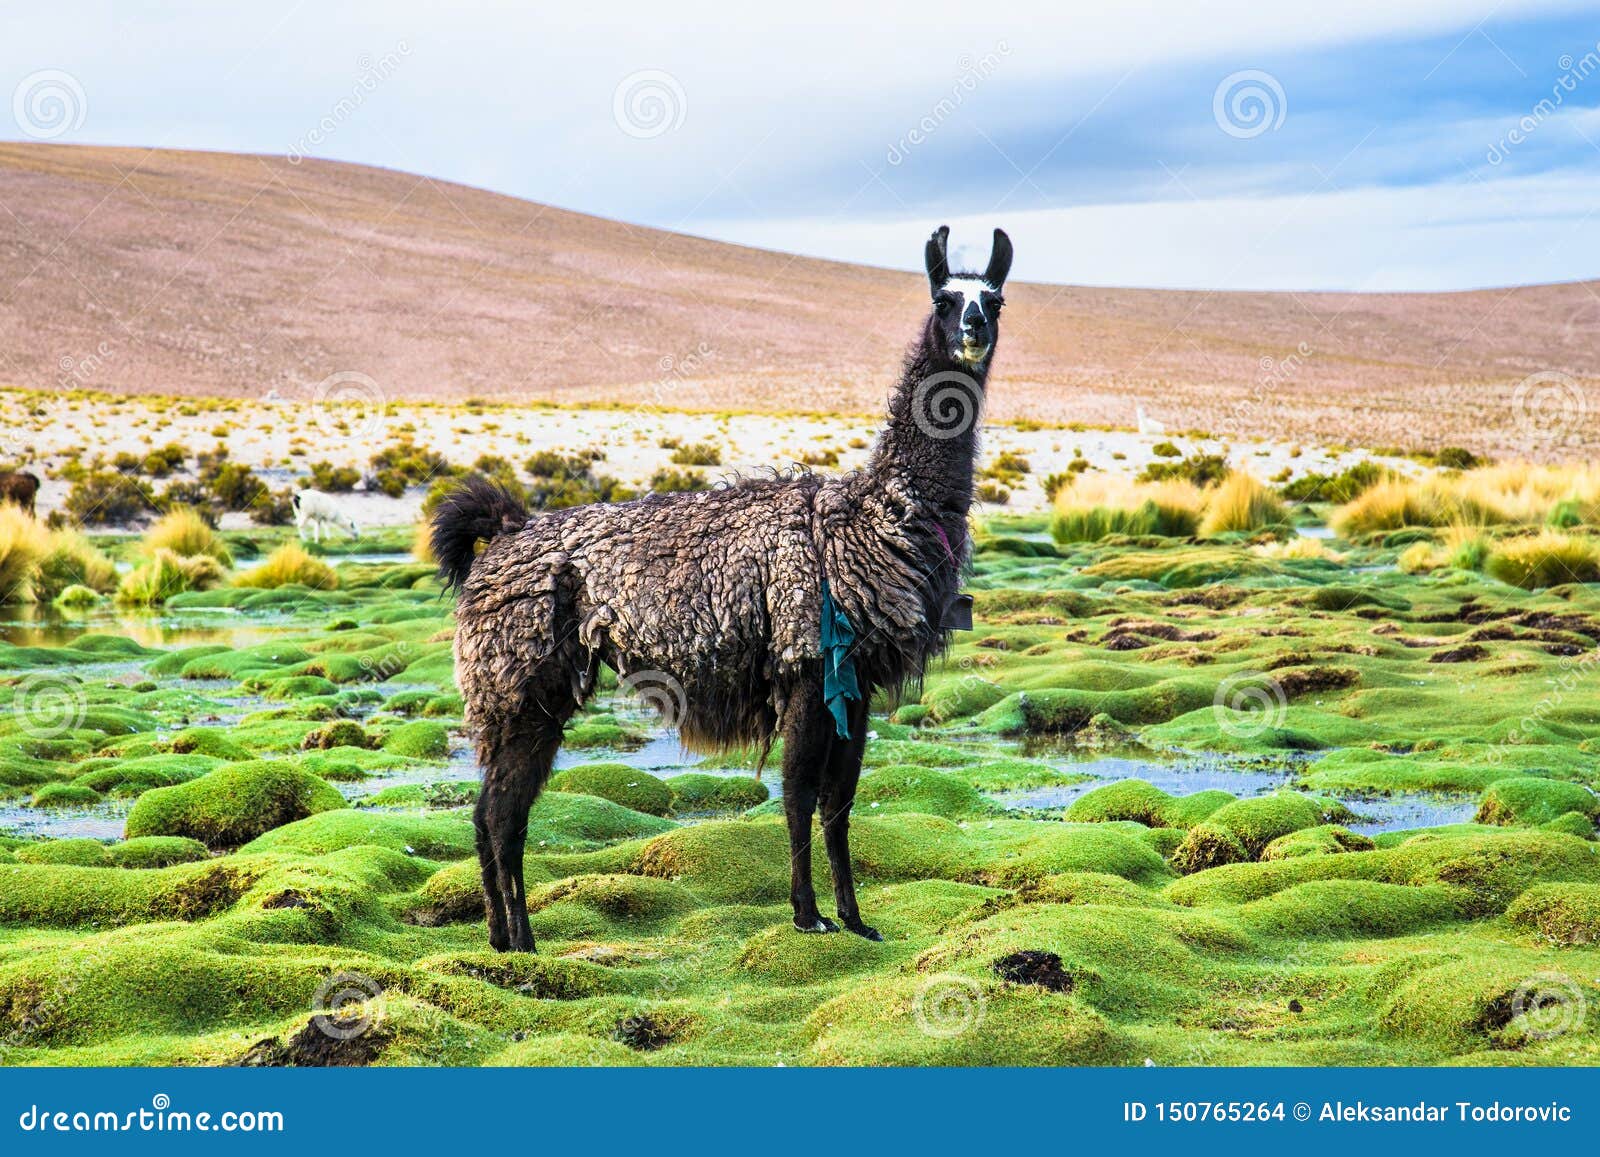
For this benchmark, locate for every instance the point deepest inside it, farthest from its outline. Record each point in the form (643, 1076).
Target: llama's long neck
(930, 443)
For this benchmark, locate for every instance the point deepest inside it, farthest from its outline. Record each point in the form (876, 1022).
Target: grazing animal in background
(20, 488)
(314, 509)
(1149, 426)
(766, 607)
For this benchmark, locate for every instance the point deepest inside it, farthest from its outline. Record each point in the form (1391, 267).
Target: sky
(1401, 145)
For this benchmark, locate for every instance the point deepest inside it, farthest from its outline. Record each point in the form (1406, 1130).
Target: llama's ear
(937, 260)
(999, 260)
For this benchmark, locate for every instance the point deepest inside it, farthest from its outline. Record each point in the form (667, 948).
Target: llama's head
(966, 306)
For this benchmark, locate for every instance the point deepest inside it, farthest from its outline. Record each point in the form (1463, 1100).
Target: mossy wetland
(1226, 800)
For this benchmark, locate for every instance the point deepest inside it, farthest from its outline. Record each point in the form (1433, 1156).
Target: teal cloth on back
(839, 684)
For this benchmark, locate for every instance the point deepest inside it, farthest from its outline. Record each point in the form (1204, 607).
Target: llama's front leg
(838, 794)
(806, 740)
(517, 765)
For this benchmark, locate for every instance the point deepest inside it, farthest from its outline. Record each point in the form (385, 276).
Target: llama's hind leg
(807, 738)
(837, 794)
(517, 754)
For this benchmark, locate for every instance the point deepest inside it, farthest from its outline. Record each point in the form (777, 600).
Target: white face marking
(968, 289)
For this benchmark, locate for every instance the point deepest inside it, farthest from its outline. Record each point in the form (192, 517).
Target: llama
(1148, 426)
(314, 509)
(21, 489)
(765, 607)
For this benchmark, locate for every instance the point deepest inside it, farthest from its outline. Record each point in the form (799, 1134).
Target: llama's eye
(944, 305)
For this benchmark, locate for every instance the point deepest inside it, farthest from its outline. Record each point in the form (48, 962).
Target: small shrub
(551, 464)
(1343, 487)
(24, 542)
(675, 481)
(186, 532)
(331, 479)
(274, 508)
(1199, 469)
(1391, 504)
(1166, 450)
(167, 574)
(290, 563)
(1545, 560)
(697, 454)
(107, 498)
(1089, 510)
(1242, 504)
(73, 561)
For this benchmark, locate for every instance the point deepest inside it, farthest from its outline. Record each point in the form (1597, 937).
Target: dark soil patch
(1041, 969)
(1466, 653)
(1571, 622)
(644, 1033)
(1297, 681)
(1124, 642)
(1565, 650)
(325, 1042)
(287, 899)
(209, 892)
(1214, 598)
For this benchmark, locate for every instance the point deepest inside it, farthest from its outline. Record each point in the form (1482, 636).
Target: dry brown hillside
(207, 273)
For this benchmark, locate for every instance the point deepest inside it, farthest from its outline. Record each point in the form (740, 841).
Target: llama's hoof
(820, 924)
(865, 931)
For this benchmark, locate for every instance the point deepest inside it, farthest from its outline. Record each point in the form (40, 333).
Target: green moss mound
(699, 792)
(1493, 867)
(1352, 909)
(1144, 803)
(64, 795)
(77, 852)
(66, 896)
(233, 804)
(619, 783)
(156, 852)
(421, 739)
(1323, 840)
(1566, 914)
(908, 788)
(1529, 800)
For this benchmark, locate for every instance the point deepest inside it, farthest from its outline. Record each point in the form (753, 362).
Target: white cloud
(1436, 237)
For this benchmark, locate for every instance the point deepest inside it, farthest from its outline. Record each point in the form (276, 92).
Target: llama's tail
(476, 511)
